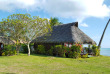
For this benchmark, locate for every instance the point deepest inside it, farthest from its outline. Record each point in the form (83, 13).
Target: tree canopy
(36, 27)
(22, 28)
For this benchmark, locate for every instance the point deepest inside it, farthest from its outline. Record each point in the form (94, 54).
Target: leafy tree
(36, 27)
(13, 27)
(22, 28)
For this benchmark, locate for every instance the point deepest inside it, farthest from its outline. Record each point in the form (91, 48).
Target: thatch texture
(65, 33)
(5, 40)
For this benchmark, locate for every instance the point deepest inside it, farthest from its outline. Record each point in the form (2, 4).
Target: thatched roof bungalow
(66, 33)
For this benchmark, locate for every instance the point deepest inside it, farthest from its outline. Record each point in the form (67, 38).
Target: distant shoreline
(105, 48)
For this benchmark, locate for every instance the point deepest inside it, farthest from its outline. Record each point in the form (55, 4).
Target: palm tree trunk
(103, 34)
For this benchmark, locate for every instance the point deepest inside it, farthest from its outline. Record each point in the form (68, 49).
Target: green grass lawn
(38, 64)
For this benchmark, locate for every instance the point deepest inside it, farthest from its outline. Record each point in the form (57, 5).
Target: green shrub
(40, 49)
(70, 54)
(55, 51)
(84, 56)
(59, 50)
(50, 51)
(9, 50)
(64, 51)
(86, 49)
(96, 51)
(74, 51)
(3, 54)
(25, 48)
(76, 55)
(89, 46)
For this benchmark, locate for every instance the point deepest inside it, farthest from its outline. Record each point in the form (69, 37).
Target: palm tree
(103, 34)
(54, 21)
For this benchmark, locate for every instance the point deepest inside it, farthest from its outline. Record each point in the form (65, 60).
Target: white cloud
(77, 9)
(11, 5)
(26, 2)
(84, 25)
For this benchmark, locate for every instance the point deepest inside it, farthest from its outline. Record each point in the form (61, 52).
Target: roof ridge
(71, 24)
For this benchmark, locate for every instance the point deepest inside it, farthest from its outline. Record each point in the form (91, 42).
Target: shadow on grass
(6, 73)
(40, 55)
(32, 54)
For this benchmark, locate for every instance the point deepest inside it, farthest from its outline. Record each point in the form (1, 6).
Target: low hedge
(9, 50)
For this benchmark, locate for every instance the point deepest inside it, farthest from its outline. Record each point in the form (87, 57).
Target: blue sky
(92, 15)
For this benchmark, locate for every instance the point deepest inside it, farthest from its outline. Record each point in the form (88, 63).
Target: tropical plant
(84, 56)
(41, 49)
(24, 48)
(74, 51)
(54, 21)
(9, 50)
(96, 50)
(50, 51)
(103, 34)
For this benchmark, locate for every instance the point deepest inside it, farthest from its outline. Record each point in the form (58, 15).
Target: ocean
(105, 51)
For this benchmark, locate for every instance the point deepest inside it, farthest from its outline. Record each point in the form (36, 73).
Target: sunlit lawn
(39, 64)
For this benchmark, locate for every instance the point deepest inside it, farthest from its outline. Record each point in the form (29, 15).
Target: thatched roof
(65, 33)
(5, 40)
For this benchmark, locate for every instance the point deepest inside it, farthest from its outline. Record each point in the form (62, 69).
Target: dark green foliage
(54, 21)
(25, 48)
(76, 55)
(50, 51)
(70, 54)
(41, 49)
(74, 51)
(84, 56)
(76, 48)
(86, 49)
(89, 46)
(59, 50)
(96, 51)
(9, 50)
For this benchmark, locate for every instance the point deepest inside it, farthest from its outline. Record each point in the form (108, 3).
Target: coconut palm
(103, 34)
(54, 21)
